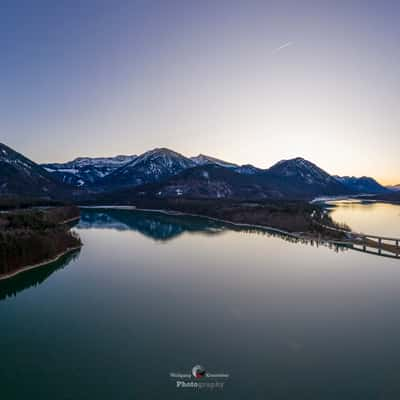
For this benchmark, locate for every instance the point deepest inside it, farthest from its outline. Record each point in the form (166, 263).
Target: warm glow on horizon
(249, 82)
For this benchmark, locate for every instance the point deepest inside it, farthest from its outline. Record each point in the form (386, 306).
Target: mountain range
(119, 171)
(86, 170)
(20, 176)
(165, 173)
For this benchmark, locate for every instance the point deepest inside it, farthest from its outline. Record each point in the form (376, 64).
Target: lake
(368, 216)
(149, 295)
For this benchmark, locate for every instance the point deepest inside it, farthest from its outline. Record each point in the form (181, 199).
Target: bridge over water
(372, 244)
(376, 244)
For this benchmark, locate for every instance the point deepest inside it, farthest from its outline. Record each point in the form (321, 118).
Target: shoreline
(349, 243)
(324, 199)
(67, 221)
(38, 265)
(183, 214)
(295, 235)
(224, 221)
(360, 198)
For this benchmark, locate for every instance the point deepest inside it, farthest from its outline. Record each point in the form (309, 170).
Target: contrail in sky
(282, 47)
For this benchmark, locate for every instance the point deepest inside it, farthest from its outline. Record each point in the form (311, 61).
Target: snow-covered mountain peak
(248, 169)
(149, 167)
(161, 158)
(117, 160)
(87, 170)
(203, 159)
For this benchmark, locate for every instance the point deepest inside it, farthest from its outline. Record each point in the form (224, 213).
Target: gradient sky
(247, 81)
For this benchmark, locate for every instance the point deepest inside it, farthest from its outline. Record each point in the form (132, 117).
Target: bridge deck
(367, 241)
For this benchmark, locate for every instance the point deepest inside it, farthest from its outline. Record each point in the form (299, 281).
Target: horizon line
(382, 182)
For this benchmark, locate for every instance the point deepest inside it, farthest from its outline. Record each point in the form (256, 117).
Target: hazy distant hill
(364, 184)
(396, 188)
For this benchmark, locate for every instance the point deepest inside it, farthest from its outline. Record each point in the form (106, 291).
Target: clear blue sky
(248, 81)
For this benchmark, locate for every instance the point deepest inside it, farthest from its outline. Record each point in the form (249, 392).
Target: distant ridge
(162, 172)
(364, 184)
(87, 170)
(202, 159)
(395, 188)
(158, 164)
(297, 179)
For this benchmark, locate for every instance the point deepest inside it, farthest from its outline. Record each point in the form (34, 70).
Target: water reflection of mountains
(163, 227)
(34, 277)
(160, 227)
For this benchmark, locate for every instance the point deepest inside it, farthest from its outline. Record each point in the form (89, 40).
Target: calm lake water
(149, 295)
(368, 217)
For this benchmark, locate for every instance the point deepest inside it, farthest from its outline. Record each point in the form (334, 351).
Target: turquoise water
(148, 295)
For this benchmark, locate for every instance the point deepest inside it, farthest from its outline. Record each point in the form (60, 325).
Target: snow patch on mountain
(149, 167)
(202, 159)
(86, 170)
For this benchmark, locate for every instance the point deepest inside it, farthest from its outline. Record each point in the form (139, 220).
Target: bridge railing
(376, 242)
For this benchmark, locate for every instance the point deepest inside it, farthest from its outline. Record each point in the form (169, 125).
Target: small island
(34, 237)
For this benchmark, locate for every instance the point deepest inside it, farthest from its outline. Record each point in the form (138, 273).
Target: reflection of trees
(291, 239)
(34, 277)
(160, 227)
(164, 227)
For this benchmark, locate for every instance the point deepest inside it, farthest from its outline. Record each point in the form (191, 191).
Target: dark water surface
(149, 295)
